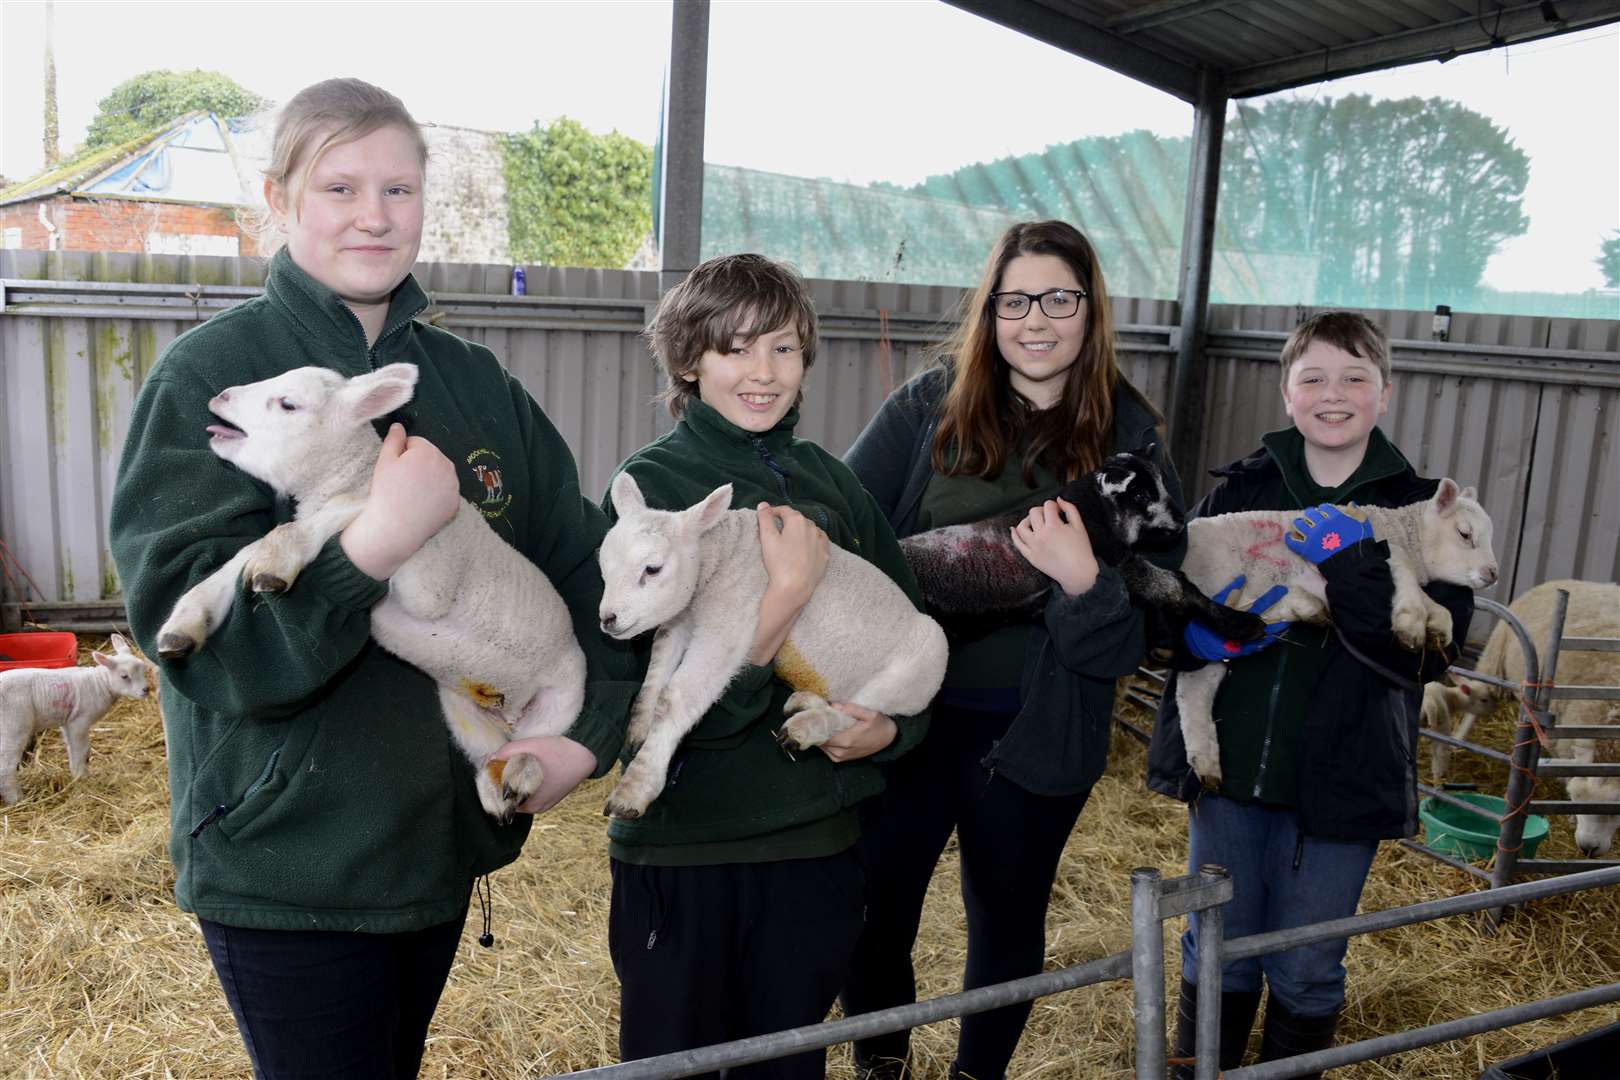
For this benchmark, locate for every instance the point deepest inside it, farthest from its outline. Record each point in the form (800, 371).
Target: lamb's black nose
(609, 621)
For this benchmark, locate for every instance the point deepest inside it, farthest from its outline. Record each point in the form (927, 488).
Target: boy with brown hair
(737, 897)
(1318, 738)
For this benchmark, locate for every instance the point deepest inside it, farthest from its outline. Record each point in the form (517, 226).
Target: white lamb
(697, 576)
(1594, 611)
(73, 699)
(468, 609)
(1447, 538)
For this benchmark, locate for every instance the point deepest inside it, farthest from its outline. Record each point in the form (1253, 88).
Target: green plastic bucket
(1470, 834)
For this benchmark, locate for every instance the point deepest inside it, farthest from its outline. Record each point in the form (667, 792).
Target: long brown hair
(984, 418)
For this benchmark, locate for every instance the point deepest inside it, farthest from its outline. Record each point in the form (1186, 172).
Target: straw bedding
(105, 977)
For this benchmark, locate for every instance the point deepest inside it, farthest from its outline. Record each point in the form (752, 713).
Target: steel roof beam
(1508, 25)
(1166, 11)
(1068, 26)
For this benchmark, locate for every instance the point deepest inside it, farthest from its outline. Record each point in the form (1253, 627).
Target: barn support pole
(680, 217)
(1186, 408)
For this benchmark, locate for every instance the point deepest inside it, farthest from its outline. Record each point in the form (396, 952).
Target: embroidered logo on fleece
(486, 467)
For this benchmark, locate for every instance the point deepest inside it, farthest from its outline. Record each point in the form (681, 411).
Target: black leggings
(707, 954)
(1010, 842)
(314, 1003)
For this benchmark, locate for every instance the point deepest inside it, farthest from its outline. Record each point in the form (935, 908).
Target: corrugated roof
(1253, 47)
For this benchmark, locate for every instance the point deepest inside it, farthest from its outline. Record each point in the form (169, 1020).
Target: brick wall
(116, 224)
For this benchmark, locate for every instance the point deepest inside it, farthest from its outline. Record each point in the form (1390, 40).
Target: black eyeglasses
(1055, 303)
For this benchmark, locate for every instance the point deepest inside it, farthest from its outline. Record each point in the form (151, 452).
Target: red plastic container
(39, 648)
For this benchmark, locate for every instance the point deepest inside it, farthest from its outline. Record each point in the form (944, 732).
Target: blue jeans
(1280, 879)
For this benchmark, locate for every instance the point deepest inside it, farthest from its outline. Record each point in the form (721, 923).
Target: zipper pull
(208, 819)
(1299, 849)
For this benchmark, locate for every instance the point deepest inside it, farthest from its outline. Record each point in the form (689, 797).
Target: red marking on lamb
(1273, 536)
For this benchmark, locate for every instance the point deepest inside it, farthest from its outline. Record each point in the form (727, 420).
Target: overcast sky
(888, 90)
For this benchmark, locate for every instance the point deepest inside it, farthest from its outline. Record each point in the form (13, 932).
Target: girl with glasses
(1026, 396)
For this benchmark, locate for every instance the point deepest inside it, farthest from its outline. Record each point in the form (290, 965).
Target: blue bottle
(520, 284)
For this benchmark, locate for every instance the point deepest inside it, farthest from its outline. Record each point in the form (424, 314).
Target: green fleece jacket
(313, 783)
(733, 795)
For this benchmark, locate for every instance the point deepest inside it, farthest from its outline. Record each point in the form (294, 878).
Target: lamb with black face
(971, 576)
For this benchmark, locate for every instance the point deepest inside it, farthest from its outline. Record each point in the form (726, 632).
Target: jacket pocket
(264, 795)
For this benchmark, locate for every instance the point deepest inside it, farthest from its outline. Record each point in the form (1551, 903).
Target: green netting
(1350, 201)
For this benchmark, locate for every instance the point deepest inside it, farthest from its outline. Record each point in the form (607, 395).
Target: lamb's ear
(706, 514)
(626, 495)
(1445, 497)
(119, 644)
(104, 660)
(366, 397)
(1471, 492)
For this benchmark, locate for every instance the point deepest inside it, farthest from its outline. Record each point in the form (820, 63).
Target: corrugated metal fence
(1523, 407)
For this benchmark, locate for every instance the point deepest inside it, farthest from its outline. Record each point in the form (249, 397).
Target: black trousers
(1009, 841)
(313, 1003)
(707, 954)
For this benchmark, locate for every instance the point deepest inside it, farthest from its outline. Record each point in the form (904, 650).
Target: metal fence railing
(1537, 720)
(1154, 900)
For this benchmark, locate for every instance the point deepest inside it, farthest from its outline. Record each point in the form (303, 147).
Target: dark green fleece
(314, 768)
(733, 795)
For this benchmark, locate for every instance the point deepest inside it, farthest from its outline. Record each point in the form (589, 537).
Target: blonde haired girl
(325, 830)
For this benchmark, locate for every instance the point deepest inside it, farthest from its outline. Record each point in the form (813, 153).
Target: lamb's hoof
(784, 741)
(1436, 640)
(172, 646)
(619, 810)
(1241, 625)
(1208, 771)
(812, 727)
(800, 700)
(263, 583)
(522, 778)
(1410, 630)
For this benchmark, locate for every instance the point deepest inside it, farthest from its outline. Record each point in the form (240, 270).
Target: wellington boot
(1237, 1020)
(1287, 1034)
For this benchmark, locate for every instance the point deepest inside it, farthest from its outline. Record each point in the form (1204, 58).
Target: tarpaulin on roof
(192, 162)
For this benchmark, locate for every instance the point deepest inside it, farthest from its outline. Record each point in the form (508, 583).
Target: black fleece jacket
(1356, 776)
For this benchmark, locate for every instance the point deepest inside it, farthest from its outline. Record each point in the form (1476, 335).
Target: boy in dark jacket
(738, 897)
(1318, 736)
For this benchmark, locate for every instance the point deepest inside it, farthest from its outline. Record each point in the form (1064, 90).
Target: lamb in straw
(1447, 538)
(1594, 611)
(696, 576)
(467, 608)
(73, 699)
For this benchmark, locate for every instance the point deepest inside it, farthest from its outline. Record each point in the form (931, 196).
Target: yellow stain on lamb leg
(793, 669)
(483, 695)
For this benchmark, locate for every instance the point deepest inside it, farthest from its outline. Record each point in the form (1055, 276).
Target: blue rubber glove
(1324, 532)
(1206, 644)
